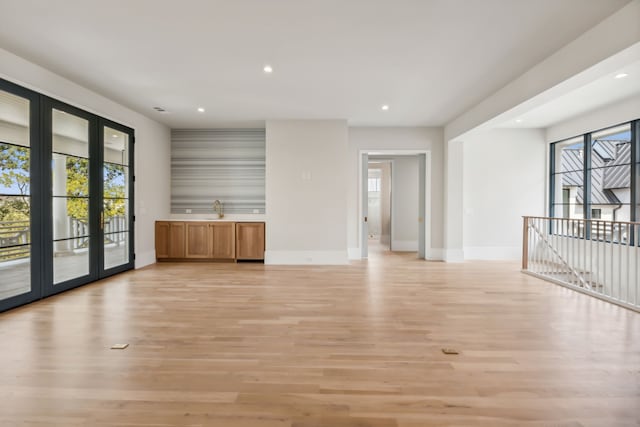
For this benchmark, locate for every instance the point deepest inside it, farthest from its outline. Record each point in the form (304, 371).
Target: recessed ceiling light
(267, 69)
(200, 110)
(385, 107)
(621, 75)
(114, 136)
(518, 120)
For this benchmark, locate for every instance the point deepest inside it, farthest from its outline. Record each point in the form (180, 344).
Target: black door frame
(36, 197)
(102, 272)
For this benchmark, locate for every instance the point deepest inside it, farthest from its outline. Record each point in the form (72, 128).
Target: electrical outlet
(187, 211)
(256, 211)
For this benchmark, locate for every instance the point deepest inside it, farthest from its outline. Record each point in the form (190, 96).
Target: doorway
(406, 206)
(379, 206)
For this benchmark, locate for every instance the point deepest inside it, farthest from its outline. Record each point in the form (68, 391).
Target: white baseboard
(145, 258)
(435, 254)
(306, 257)
(495, 253)
(354, 253)
(453, 255)
(404, 245)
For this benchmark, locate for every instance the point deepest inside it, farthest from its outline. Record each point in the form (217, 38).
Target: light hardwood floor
(234, 345)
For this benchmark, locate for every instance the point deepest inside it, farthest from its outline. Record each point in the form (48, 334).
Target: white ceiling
(430, 60)
(606, 90)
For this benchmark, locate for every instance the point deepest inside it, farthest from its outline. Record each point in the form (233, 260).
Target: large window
(595, 175)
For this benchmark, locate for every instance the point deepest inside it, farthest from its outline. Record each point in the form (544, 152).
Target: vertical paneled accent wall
(218, 164)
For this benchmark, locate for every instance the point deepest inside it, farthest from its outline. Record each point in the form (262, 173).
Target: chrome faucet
(218, 208)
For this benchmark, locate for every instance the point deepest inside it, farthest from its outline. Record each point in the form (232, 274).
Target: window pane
(70, 176)
(70, 217)
(14, 170)
(70, 188)
(71, 259)
(569, 195)
(568, 178)
(14, 119)
(15, 202)
(569, 155)
(15, 248)
(611, 172)
(116, 146)
(116, 181)
(116, 215)
(116, 249)
(70, 134)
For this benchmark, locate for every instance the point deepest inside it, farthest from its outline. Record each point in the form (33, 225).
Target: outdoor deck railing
(597, 257)
(15, 236)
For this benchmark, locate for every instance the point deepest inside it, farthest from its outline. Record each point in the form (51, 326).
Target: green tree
(114, 190)
(14, 176)
(77, 187)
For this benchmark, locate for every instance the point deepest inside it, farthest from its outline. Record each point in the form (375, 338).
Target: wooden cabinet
(222, 240)
(197, 240)
(209, 240)
(250, 240)
(169, 239)
(162, 239)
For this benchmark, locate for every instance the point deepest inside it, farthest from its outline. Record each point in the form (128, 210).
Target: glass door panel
(115, 222)
(15, 196)
(70, 169)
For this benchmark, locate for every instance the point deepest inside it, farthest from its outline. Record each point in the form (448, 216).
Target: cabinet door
(176, 240)
(222, 239)
(197, 243)
(250, 240)
(162, 239)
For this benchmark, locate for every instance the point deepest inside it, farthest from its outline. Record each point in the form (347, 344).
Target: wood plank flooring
(234, 345)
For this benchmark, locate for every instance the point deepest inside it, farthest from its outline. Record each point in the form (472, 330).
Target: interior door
(20, 228)
(365, 205)
(116, 193)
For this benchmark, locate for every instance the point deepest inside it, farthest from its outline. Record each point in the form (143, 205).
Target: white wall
(404, 204)
(391, 138)
(152, 158)
(306, 194)
(453, 188)
(504, 179)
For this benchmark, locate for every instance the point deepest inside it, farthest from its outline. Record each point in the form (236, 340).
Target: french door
(21, 203)
(66, 192)
(91, 233)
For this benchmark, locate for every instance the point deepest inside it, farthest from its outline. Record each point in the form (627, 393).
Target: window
(597, 175)
(610, 171)
(374, 185)
(567, 179)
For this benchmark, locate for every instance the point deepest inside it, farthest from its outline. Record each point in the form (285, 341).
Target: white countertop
(211, 218)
